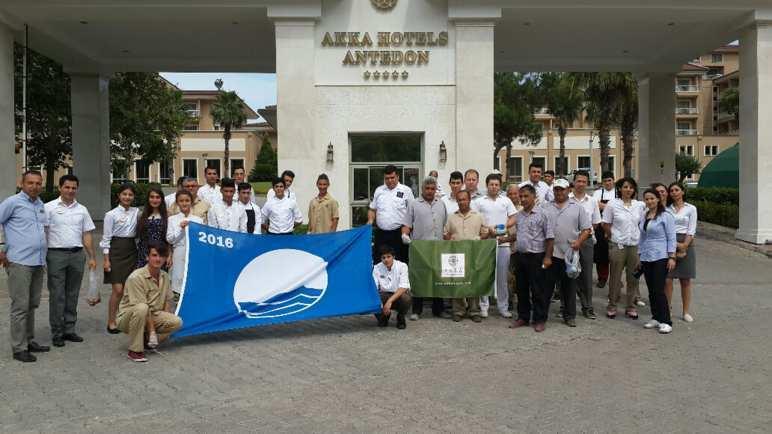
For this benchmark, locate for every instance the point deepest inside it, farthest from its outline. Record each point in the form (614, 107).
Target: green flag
(452, 269)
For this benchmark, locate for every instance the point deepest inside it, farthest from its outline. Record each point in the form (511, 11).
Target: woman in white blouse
(176, 235)
(119, 248)
(686, 265)
(620, 223)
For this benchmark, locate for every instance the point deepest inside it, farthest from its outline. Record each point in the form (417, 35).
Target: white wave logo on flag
(280, 283)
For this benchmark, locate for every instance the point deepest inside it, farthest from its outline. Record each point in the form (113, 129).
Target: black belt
(66, 249)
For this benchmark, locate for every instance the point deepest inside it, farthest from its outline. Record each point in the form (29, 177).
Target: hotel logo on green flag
(452, 269)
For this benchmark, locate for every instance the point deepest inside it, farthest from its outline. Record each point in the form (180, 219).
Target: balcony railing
(686, 88)
(686, 110)
(686, 132)
(193, 113)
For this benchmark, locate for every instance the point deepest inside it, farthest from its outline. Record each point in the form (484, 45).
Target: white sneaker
(651, 324)
(688, 318)
(665, 329)
(640, 303)
(413, 317)
(484, 313)
(506, 314)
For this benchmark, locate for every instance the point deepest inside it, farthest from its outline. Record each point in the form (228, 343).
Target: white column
(295, 94)
(656, 127)
(474, 96)
(756, 133)
(91, 141)
(8, 179)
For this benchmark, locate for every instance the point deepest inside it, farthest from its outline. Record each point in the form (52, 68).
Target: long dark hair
(683, 190)
(660, 207)
(147, 211)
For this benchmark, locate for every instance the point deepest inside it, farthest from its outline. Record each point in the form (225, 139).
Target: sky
(257, 90)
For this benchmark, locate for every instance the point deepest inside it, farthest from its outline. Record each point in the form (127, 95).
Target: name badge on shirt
(400, 194)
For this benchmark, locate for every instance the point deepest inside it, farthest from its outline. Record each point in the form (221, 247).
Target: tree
(686, 166)
(516, 99)
(628, 120)
(228, 111)
(48, 112)
(266, 166)
(146, 119)
(730, 102)
(604, 93)
(565, 101)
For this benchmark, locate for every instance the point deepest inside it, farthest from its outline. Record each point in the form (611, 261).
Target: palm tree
(228, 111)
(516, 97)
(604, 93)
(628, 120)
(565, 101)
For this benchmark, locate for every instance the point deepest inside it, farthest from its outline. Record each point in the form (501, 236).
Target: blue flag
(236, 280)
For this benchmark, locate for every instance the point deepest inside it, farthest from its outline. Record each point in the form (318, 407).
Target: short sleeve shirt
(568, 222)
(685, 219)
(464, 226)
(426, 220)
(451, 206)
(67, 223)
(543, 191)
(321, 213)
(391, 280)
(533, 229)
(390, 206)
(624, 221)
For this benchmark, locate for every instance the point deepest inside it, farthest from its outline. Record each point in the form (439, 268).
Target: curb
(725, 234)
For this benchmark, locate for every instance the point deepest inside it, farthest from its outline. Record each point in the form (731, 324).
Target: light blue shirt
(658, 240)
(24, 222)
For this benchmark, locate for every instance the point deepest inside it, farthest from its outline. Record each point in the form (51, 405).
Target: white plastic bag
(573, 265)
(92, 296)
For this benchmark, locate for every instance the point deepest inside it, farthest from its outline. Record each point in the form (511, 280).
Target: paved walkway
(347, 375)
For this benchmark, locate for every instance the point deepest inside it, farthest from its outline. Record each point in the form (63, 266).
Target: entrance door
(370, 154)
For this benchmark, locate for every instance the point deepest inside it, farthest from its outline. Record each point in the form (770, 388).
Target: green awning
(722, 171)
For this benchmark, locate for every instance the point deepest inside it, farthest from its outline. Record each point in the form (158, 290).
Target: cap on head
(561, 183)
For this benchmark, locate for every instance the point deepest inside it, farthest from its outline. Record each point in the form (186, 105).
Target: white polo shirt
(495, 211)
(281, 215)
(230, 218)
(390, 206)
(287, 193)
(67, 224)
(543, 191)
(451, 206)
(590, 206)
(210, 194)
(624, 221)
(391, 280)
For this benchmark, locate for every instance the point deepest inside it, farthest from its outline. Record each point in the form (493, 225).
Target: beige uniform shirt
(464, 227)
(321, 213)
(140, 288)
(200, 209)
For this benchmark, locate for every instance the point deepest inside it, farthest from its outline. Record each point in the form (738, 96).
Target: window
(165, 172)
(385, 147)
(540, 161)
(190, 168)
(191, 109)
(515, 169)
(719, 70)
(193, 126)
(687, 149)
(565, 165)
(716, 58)
(711, 150)
(215, 162)
(236, 163)
(583, 162)
(142, 171)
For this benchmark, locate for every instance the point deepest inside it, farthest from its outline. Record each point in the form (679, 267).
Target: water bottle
(92, 296)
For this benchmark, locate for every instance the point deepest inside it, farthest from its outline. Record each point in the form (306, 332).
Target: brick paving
(347, 375)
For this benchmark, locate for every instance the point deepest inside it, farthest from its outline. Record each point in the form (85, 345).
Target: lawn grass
(261, 187)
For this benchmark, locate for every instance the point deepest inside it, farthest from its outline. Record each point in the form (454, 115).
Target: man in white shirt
(210, 192)
(288, 177)
(543, 191)
(456, 184)
(471, 179)
(239, 177)
(387, 210)
(228, 214)
(391, 279)
(280, 212)
(499, 215)
(587, 250)
(69, 234)
(250, 208)
(171, 197)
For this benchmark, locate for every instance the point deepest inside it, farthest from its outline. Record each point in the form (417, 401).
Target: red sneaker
(137, 357)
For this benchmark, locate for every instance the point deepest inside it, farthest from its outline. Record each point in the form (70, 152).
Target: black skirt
(123, 260)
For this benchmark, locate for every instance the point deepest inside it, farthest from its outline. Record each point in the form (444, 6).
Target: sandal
(114, 331)
(631, 313)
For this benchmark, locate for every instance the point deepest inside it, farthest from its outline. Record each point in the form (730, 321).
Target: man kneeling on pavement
(145, 310)
(391, 278)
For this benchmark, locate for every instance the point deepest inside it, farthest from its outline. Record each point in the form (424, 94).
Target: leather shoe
(58, 342)
(24, 356)
(538, 327)
(72, 337)
(519, 323)
(35, 347)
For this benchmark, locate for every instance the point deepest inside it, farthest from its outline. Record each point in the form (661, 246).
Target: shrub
(715, 195)
(724, 214)
(265, 165)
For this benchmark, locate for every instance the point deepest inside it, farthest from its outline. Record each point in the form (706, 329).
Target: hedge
(724, 214)
(715, 195)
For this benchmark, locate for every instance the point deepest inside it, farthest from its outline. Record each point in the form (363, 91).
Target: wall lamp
(330, 154)
(443, 153)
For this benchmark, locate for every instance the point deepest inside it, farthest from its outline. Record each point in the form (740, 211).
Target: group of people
(550, 232)
(546, 229)
(143, 250)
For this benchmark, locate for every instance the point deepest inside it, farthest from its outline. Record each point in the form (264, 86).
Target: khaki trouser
(460, 306)
(132, 321)
(24, 287)
(624, 259)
